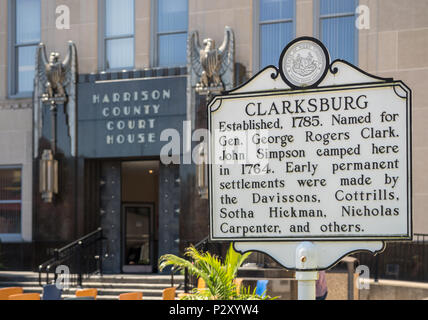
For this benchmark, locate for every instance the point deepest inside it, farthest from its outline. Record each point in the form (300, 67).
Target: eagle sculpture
(55, 83)
(212, 67)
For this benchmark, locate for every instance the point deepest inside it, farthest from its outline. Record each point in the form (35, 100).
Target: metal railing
(215, 248)
(401, 260)
(81, 257)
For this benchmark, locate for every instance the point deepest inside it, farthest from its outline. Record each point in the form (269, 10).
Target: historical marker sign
(311, 151)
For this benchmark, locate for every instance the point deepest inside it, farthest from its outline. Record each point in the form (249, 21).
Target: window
(10, 200)
(336, 28)
(117, 41)
(24, 37)
(276, 28)
(170, 37)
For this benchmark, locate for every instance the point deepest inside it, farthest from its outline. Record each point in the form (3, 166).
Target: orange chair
(238, 283)
(168, 294)
(25, 296)
(131, 296)
(87, 293)
(202, 286)
(201, 283)
(6, 292)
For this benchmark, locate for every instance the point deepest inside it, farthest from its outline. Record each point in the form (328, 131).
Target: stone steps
(109, 287)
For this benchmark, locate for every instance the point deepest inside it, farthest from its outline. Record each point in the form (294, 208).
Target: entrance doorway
(139, 184)
(138, 242)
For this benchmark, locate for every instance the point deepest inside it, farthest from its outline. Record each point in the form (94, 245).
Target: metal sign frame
(307, 255)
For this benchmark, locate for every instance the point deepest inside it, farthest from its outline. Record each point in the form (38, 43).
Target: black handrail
(189, 279)
(203, 245)
(199, 246)
(82, 257)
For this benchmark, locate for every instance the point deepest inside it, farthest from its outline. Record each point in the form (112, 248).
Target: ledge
(16, 105)
(11, 238)
(133, 74)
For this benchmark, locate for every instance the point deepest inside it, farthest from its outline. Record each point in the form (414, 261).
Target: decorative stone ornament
(257, 181)
(211, 68)
(304, 63)
(211, 71)
(55, 84)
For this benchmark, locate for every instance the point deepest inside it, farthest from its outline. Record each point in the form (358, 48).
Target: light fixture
(151, 171)
(202, 172)
(48, 176)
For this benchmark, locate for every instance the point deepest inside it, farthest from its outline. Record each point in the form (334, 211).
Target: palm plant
(218, 275)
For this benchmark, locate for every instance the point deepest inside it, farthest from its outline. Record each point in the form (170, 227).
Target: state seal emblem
(304, 63)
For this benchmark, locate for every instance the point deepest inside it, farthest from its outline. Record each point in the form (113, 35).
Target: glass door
(138, 244)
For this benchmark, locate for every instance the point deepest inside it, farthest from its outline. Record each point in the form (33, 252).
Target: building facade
(116, 179)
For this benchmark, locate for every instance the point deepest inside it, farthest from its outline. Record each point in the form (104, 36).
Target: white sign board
(330, 161)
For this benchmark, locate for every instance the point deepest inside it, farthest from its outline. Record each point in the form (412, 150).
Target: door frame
(130, 268)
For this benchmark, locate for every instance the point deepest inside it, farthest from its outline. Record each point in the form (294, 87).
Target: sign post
(310, 162)
(306, 258)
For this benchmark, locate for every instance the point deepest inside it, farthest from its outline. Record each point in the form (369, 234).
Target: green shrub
(218, 275)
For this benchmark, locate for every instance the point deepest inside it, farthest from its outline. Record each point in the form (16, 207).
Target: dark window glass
(26, 40)
(337, 28)
(337, 6)
(171, 39)
(10, 201)
(119, 34)
(276, 29)
(276, 9)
